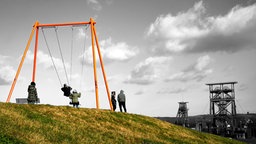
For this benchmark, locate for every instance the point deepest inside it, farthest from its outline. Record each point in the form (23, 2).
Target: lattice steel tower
(222, 104)
(182, 114)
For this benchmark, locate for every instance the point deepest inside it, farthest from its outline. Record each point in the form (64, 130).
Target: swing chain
(63, 63)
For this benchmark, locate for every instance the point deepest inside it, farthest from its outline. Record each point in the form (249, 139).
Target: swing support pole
(94, 39)
(102, 68)
(21, 62)
(35, 55)
(94, 65)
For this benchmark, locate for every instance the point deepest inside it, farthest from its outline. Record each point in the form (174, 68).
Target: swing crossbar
(65, 24)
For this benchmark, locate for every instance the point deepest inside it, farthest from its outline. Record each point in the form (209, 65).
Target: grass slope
(64, 124)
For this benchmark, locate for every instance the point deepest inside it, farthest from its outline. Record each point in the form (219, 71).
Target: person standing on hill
(74, 98)
(32, 93)
(121, 100)
(113, 100)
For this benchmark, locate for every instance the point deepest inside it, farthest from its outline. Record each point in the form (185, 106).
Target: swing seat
(25, 100)
(71, 103)
(21, 100)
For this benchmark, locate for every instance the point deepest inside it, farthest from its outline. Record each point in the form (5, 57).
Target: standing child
(113, 99)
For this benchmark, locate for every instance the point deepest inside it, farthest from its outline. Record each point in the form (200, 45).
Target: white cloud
(194, 31)
(3, 59)
(6, 72)
(93, 1)
(119, 51)
(202, 63)
(148, 71)
(6, 75)
(171, 91)
(197, 71)
(140, 92)
(81, 35)
(236, 20)
(111, 52)
(45, 60)
(95, 4)
(243, 87)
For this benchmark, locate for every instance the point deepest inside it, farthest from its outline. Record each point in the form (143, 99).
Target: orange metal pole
(102, 68)
(65, 24)
(94, 64)
(35, 54)
(21, 62)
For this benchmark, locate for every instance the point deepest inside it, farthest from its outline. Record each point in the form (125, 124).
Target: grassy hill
(64, 124)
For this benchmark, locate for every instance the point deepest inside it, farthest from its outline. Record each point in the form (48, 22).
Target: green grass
(63, 124)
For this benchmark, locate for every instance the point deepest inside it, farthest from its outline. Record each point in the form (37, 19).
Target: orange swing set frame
(94, 39)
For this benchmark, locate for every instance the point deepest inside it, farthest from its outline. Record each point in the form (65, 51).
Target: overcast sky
(159, 52)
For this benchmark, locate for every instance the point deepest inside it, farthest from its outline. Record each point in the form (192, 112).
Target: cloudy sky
(159, 52)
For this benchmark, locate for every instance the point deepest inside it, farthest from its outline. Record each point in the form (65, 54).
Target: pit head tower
(222, 104)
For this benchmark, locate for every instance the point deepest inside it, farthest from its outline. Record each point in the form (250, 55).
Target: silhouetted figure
(67, 90)
(113, 99)
(121, 100)
(74, 98)
(32, 93)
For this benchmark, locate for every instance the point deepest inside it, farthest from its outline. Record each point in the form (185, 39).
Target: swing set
(94, 39)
